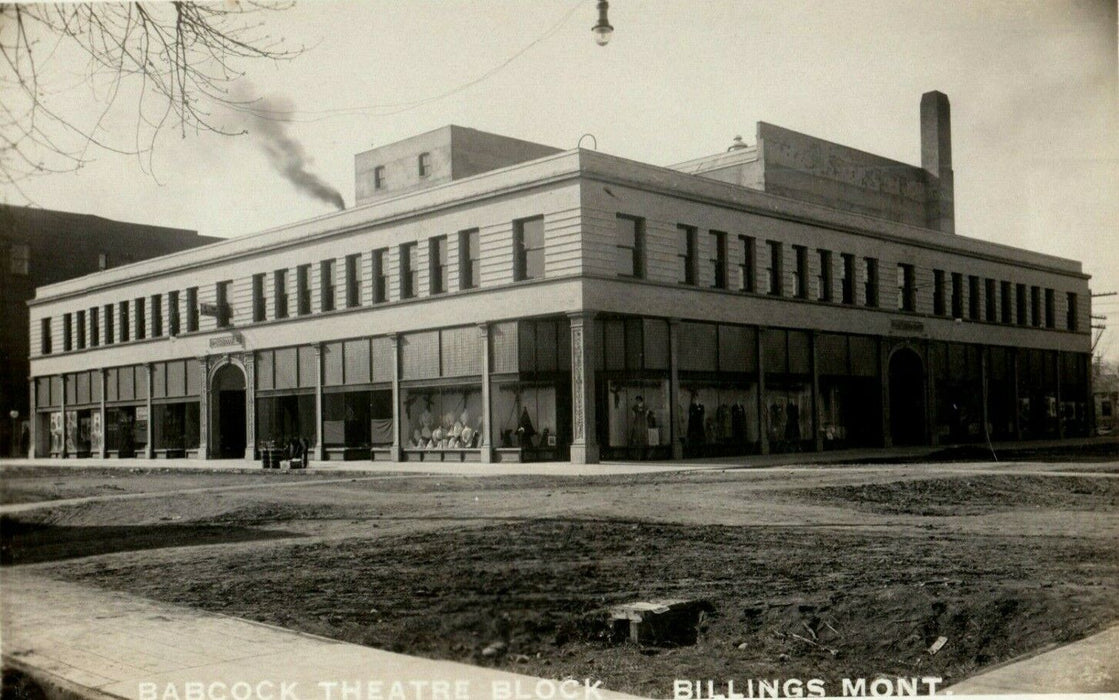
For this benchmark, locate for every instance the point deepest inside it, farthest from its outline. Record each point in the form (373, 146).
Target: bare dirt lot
(822, 572)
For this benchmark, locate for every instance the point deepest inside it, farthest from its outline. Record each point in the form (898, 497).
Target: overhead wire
(391, 108)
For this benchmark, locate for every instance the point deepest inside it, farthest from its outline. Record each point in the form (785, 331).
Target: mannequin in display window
(638, 428)
(696, 435)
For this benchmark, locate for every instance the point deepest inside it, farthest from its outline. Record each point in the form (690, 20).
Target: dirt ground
(813, 572)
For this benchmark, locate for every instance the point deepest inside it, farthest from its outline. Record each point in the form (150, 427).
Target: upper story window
(437, 264)
(173, 313)
(973, 297)
(259, 313)
(718, 259)
(67, 332)
(353, 280)
(123, 316)
(824, 279)
(45, 336)
(424, 163)
(20, 263)
(687, 253)
(379, 177)
(1072, 320)
(528, 249)
(109, 335)
(1050, 311)
(380, 275)
(192, 309)
(957, 295)
(749, 264)
(469, 259)
(1035, 306)
(157, 315)
(1020, 298)
(80, 327)
(847, 284)
(774, 271)
(408, 270)
(907, 287)
(326, 285)
(303, 289)
(280, 294)
(94, 326)
(871, 291)
(800, 279)
(1006, 305)
(140, 325)
(939, 307)
(991, 300)
(225, 311)
(629, 246)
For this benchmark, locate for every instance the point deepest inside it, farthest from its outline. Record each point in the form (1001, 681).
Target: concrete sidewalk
(1088, 666)
(878, 454)
(88, 642)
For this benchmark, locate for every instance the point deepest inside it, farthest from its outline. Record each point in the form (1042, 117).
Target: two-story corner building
(493, 299)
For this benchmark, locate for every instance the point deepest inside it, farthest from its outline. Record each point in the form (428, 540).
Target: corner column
(1060, 407)
(320, 450)
(584, 445)
(985, 395)
(674, 389)
(486, 443)
(397, 453)
(1017, 408)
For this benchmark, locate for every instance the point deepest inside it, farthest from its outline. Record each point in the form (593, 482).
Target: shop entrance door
(907, 398)
(227, 413)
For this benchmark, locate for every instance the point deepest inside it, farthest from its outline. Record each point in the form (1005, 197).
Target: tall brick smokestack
(936, 159)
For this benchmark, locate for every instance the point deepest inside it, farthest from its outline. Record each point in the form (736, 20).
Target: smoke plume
(266, 120)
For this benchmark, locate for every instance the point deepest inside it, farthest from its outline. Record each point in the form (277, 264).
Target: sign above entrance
(230, 340)
(909, 327)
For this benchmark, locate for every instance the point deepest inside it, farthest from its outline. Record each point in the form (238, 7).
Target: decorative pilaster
(33, 418)
(884, 383)
(818, 435)
(763, 417)
(487, 408)
(397, 422)
(1017, 406)
(983, 372)
(674, 418)
(584, 445)
(62, 409)
(101, 412)
(149, 448)
(320, 450)
(930, 397)
(248, 359)
(1060, 408)
(204, 407)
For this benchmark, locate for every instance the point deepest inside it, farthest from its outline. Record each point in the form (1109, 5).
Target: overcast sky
(1032, 84)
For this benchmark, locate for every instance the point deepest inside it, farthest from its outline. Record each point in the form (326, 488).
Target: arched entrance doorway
(907, 398)
(227, 413)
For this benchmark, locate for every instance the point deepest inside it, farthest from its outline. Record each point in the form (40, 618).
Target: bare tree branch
(165, 63)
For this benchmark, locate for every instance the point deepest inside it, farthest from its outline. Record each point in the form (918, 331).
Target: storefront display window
(788, 415)
(175, 426)
(443, 418)
(530, 416)
(357, 419)
(126, 430)
(637, 418)
(281, 419)
(717, 418)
